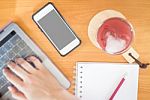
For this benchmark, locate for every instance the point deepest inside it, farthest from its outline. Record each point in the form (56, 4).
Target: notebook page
(97, 81)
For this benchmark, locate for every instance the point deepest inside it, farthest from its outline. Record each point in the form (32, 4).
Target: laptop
(15, 43)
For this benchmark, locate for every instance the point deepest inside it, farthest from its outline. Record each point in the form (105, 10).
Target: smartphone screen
(58, 31)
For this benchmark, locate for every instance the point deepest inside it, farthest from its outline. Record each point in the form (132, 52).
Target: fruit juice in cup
(115, 35)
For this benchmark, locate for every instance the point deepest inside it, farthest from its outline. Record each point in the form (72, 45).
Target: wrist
(65, 95)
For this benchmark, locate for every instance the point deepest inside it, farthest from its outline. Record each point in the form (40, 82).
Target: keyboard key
(2, 51)
(1, 65)
(4, 59)
(8, 46)
(1, 70)
(11, 54)
(4, 89)
(16, 39)
(3, 81)
(26, 52)
(16, 49)
(22, 44)
(17, 56)
(32, 53)
(1, 73)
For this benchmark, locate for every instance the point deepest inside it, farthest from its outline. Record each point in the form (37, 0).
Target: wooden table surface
(78, 13)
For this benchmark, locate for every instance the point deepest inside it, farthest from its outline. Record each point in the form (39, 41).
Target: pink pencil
(118, 87)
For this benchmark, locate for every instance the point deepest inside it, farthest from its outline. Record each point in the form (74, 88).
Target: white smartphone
(52, 24)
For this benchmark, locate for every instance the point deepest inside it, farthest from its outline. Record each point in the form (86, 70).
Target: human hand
(33, 83)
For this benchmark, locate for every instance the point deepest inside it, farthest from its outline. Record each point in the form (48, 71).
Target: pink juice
(115, 35)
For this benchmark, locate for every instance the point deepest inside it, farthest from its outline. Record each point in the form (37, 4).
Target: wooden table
(78, 13)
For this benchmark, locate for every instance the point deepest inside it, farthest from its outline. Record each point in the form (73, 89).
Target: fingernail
(27, 59)
(4, 71)
(17, 59)
(4, 68)
(10, 64)
(9, 88)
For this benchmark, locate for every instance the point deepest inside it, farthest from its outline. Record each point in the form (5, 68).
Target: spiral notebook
(97, 81)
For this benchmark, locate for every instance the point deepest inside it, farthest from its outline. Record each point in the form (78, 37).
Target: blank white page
(97, 81)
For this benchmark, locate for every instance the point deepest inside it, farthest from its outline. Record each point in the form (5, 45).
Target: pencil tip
(125, 75)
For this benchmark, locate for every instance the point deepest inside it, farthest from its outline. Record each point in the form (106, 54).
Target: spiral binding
(74, 80)
(77, 84)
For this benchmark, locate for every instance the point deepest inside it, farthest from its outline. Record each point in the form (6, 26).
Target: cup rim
(133, 36)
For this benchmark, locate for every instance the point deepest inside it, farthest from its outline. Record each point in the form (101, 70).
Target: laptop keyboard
(12, 48)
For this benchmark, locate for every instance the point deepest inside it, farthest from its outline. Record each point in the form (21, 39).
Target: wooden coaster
(98, 20)
(129, 58)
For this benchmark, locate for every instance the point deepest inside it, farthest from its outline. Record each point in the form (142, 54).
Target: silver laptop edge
(46, 61)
